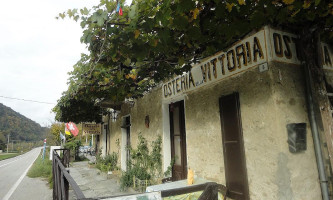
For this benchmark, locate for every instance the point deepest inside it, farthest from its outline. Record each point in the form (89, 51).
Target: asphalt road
(14, 184)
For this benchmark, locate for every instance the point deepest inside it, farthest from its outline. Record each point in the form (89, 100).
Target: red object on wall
(72, 128)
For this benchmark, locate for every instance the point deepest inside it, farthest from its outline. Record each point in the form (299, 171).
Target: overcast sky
(36, 53)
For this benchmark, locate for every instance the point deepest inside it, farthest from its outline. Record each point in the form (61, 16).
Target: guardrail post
(66, 186)
(62, 179)
(59, 180)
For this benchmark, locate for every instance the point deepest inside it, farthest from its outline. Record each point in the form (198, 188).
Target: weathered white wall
(268, 102)
(297, 174)
(151, 105)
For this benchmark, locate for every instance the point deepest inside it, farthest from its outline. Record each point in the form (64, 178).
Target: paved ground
(93, 183)
(15, 185)
(13, 181)
(32, 188)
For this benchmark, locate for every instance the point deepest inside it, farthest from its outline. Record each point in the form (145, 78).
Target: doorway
(233, 147)
(178, 140)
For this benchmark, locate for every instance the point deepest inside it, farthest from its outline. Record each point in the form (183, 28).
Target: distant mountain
(19, 127)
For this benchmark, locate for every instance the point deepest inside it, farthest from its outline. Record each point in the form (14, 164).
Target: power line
(26, 100)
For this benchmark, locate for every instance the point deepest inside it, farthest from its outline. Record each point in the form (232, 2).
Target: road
(13, 181)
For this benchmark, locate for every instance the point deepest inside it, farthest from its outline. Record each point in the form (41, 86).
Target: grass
(42, 169)
(9, 155)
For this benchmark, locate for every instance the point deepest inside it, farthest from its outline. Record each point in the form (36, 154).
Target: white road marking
(12, 189)
(19, 158)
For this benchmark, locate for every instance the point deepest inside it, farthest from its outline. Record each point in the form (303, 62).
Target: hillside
(19, 127)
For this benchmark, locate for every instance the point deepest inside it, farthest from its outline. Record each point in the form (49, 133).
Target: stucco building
(239, 118)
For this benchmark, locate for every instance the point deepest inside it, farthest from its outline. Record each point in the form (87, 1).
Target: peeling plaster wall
(268, 102)
(301, 173)
(254, 90)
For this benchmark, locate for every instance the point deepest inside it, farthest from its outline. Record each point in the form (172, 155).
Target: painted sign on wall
(266, 45)
(240, 57)
(283, 47)
(91, 129)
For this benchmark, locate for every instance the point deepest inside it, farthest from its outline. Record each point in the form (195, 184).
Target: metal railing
(210, 191)
(61, 177)
(62, 180)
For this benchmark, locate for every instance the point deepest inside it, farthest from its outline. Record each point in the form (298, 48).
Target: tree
(53, 137)
(155, 39)
(3, 141)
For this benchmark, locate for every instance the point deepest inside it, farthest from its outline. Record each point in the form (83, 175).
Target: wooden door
(178, 140)
(233, 147)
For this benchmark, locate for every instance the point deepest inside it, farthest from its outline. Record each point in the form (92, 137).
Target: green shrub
(73, 146)
(143, 165)
(126, 179)
(108, 163)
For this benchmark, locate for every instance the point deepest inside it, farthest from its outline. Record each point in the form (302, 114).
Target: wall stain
(283, 178)
(292, 102)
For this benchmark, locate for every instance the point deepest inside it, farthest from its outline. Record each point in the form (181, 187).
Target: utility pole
(8, 143)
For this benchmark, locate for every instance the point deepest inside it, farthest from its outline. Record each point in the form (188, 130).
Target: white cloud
(36, 53)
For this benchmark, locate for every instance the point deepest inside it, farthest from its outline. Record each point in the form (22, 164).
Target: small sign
(51, 150)
(91, 129)
(296, 137)
(263, 67)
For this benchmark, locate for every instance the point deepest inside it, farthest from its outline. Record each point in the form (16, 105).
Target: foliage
(168, 172)
(144, 165)
(18, 127)
(72, 108)
(126, 179)
(22, 147)
(2, 141)
(73, 145)
(42, 168)
(155, 39)
(53, 136)
(107, 163)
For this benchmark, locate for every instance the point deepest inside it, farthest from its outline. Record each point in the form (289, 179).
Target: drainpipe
(314, 127)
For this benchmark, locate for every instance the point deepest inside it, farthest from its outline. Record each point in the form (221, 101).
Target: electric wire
(26, 100)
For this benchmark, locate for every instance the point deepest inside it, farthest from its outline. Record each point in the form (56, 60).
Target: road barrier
(62, 180)
(61, 177)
